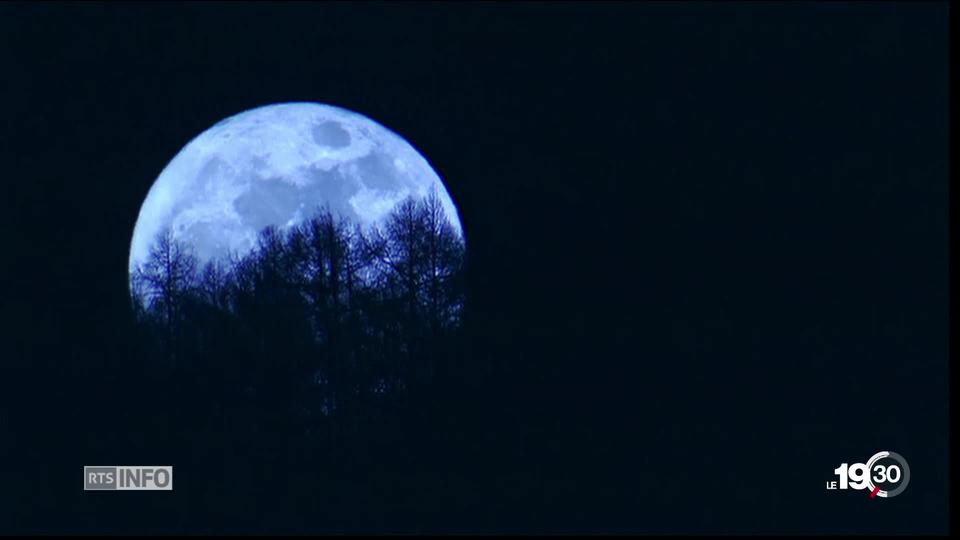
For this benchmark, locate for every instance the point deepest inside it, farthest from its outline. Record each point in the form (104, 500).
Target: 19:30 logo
(885, 475)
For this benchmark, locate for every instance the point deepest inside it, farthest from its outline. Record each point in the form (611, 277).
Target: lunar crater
(330, 134)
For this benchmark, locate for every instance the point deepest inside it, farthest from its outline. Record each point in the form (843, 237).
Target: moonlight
(275, 166)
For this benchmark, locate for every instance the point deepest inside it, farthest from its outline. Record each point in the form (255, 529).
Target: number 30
(886, 474)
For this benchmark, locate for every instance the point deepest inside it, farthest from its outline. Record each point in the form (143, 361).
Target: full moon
(276, 166)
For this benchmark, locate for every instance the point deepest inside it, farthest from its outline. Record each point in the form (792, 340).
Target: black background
(707, 241)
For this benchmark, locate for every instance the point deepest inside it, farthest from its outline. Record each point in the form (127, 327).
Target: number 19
(854, 476)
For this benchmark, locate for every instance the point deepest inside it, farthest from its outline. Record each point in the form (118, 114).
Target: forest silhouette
(323, 316)
(321, 352)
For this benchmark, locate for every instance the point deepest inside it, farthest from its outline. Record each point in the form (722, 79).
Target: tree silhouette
(165, 280)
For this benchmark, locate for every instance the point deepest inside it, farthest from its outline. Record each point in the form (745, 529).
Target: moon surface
(278, 165)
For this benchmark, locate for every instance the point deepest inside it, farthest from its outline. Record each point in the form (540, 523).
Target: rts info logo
(885, 475)
(120, 478)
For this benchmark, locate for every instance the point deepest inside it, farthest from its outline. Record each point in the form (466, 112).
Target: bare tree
(420, 256)
(165, 280)
(443, 258)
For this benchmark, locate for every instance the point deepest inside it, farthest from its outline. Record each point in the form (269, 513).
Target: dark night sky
(729, 217)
